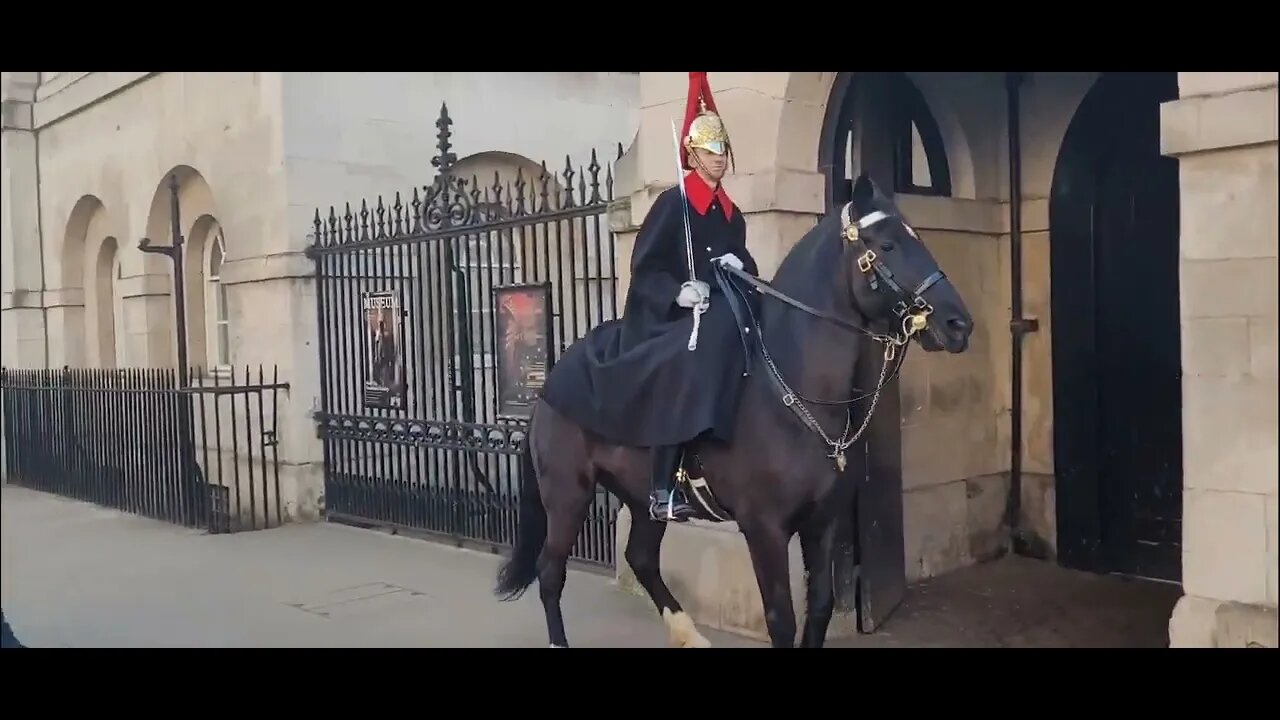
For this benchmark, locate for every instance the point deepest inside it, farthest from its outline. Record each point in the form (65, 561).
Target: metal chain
(845, 441)
(789, 398)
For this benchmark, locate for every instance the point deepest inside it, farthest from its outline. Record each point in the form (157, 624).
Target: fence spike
(319, 230)
(594, 167)
(568, 183)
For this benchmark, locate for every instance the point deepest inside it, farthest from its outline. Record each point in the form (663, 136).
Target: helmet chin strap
(698, 161)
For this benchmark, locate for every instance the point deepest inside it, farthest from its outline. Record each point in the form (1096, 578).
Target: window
(217, 334)
(920, 161)
(119, 345)
(881, 124)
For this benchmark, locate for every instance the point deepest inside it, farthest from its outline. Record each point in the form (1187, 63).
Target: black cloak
(634, 381)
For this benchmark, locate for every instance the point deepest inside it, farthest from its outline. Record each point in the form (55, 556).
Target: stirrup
(658, 513)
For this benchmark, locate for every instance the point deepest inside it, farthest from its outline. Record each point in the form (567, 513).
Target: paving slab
(1023, 602)
(77, 575)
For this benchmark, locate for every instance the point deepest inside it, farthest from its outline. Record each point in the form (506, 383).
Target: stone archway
(197, 214)
(74, 311)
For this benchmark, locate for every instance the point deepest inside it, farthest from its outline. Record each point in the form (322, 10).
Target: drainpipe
(1018, 325)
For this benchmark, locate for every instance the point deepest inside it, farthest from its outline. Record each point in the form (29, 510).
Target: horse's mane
(805, 271)
(808, 273)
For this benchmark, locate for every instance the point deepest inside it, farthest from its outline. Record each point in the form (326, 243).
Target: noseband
(912, 311)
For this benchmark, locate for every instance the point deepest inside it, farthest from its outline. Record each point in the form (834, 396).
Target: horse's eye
(886, 247)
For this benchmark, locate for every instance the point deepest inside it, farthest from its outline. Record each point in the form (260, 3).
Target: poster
(384, 352)
(523, 326)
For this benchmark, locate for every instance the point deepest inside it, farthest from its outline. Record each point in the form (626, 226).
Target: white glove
(729, 259)
(693, 293)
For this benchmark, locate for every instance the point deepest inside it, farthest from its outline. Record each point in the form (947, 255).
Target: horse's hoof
(684, 634)
(698, 641)
(556, 646)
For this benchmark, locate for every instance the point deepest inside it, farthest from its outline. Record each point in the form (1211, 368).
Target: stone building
(1116, 243)
(86, 163)
(1135, 256)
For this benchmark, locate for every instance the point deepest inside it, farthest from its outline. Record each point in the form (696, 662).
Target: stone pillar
(780, 192)
(1223, 131)
(285, 337)
(22, 324)
(777, 188)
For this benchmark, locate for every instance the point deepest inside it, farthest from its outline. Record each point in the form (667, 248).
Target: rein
(912, 310)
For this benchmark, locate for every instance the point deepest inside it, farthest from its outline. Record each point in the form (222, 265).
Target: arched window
(920, 161)
(120, 340)
(879, 123)
(217, 333)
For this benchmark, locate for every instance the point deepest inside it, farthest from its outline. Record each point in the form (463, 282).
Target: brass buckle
(865, 260)
(917, 321)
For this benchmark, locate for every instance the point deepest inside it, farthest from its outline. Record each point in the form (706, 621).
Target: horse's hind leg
(564, 524)
(644, 548)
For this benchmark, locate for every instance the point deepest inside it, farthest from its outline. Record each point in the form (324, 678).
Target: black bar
(448, 464)
(124, 439)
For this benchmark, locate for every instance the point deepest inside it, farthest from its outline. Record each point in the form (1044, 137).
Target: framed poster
(384, 378)
(522, 321)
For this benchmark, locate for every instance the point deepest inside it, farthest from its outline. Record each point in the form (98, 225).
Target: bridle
(911, 310)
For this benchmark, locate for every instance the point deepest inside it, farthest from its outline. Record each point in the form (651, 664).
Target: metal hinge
(1022, 326)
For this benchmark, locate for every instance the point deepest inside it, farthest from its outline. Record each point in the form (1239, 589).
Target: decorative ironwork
(446, 461)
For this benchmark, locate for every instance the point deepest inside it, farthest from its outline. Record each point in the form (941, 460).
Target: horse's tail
(521, 569)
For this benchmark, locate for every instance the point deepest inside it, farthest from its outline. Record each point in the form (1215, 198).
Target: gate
(439, 313)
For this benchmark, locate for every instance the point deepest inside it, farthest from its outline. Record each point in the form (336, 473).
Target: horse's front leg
(767, 543)
(817, 544)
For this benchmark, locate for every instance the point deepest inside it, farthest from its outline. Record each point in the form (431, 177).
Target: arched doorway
(1113, 217)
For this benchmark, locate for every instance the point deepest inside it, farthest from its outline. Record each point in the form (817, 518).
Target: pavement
(77, 575)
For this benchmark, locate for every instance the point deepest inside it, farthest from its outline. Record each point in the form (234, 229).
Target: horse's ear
(864, 190)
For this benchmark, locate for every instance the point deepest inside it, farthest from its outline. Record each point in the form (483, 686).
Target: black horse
(861, 273)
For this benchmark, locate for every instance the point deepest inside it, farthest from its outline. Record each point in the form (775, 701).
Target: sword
(688, 239)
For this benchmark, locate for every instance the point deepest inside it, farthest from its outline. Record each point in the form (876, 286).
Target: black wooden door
(1117, 357)
(870, 564)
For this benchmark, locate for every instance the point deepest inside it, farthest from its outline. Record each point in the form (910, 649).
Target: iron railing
(203, 456)
(431, 448)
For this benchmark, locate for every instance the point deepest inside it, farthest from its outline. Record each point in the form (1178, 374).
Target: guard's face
(714, 165)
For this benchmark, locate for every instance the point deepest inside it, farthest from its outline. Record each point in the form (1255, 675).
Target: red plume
(699, 89)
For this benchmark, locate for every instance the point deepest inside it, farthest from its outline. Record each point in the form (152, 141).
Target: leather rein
(912, 310)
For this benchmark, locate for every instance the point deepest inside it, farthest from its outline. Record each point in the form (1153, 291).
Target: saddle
(691, 481)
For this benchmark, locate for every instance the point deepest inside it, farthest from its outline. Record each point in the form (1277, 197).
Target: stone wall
(255, 153)
(22, 333)
(1223, 132)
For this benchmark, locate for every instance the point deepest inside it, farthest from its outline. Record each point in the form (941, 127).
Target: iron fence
(416, 428)
(202, 456)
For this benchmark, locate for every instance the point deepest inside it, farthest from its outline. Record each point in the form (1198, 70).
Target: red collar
(700, 195)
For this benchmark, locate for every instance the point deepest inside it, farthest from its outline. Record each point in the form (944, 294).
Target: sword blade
(688, 234)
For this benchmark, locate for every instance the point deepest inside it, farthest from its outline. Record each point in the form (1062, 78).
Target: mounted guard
(670, 369)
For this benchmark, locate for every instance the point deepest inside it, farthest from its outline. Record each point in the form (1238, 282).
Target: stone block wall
(1223, 130)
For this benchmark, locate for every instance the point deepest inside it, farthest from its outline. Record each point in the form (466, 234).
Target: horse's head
(896, 283)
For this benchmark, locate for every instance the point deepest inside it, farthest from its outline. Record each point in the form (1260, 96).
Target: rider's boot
(665, 502)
